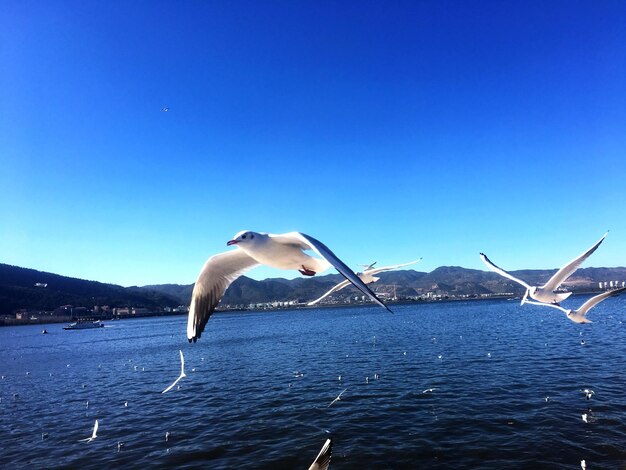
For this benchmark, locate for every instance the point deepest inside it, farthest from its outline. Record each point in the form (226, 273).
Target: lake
(454, 385)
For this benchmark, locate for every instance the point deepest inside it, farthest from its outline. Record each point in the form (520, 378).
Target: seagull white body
(284, 251)
(338, 398)
(584, 417)
(580, 315)
(588, 393)
(93, 434)
(182, 373)
(546, 292)
(367, 276)
(322, 461)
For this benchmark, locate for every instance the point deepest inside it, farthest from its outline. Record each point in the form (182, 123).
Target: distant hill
(24, 288)
(18, 288)
(448, 280)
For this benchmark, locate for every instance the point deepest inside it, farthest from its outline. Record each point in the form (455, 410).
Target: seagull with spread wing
(367, 276)
(338, 398)
(93, 434)
(546, 293)
(579, 315)
(282, 251)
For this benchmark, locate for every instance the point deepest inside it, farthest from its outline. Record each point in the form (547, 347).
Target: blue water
(242, 404)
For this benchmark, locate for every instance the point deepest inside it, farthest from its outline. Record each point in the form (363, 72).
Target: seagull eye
(243, 236)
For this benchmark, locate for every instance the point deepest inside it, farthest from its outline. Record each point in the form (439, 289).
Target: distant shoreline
(68, 319)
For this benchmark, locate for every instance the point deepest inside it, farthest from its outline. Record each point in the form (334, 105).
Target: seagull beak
(232, 242)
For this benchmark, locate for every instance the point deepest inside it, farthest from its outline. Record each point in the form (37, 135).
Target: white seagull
(367, 276)
(283, 251)
(338, 397)
(182, 373)
(93, 434)
(588, 393)
(579, 315)
(322, 461)
(546, 292)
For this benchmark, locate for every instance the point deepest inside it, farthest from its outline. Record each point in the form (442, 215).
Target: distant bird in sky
(579, 315)
(338, 398)
(546, 293)
(322, 461)
(181, 376)
(283, 251)
(165, 109)
(93, 434)
(367, 276)
(429, 390)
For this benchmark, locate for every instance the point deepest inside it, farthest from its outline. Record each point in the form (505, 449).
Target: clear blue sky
(388, 130)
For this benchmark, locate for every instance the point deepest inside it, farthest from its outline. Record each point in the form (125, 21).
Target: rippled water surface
(258, 387)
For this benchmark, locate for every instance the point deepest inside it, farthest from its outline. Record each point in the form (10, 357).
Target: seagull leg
(307, 272)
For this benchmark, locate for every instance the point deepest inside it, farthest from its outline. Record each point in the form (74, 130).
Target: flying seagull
(546, 292)
(367, 276)
(283, 251)
(580, 315)
(338, 397)
(182, 373)
(93, 434)
(322, 461)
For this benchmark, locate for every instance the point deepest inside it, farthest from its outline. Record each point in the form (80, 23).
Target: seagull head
(243, 237)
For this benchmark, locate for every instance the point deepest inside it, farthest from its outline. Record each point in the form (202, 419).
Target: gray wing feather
(389, 268)
(566, 271)
(217, 274)
(501, 271)
(340, 266)
(339, 286)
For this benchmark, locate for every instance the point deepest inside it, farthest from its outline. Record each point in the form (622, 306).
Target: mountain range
(22, 288)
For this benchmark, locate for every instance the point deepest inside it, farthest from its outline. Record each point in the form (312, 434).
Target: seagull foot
(306, 272)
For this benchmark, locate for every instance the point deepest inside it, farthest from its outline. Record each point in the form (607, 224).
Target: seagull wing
(322, 250)
(217, 274)
(339, 286)
(95, 430)
(543, 304)
(597, 299)
(567, 270)
(501, 271)
(389, 268)
(338, 397)
(322, 461)
(182, 373)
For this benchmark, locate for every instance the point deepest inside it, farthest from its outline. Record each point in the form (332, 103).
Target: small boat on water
(84, 325)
